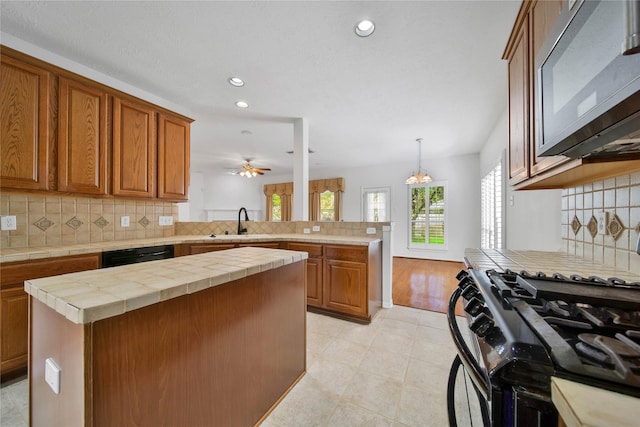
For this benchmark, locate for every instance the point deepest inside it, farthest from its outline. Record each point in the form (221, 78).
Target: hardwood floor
(425, 284)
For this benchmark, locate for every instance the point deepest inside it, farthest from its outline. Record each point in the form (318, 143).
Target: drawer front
(346, 253)
(314, 250)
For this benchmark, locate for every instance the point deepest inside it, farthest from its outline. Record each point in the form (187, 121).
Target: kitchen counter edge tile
(42, 252)
(89, 296)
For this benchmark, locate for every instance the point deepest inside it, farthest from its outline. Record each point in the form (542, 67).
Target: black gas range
(526, 328)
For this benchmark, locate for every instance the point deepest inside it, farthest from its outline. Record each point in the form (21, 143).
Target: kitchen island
(210, 339)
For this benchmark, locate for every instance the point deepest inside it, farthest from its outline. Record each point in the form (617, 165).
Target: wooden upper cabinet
(134, 149)
(82, 138)
(518, 59)
(173, 157)
(24, 125)
(542, 17)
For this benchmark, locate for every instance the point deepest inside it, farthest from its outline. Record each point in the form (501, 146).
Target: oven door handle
(463, 350)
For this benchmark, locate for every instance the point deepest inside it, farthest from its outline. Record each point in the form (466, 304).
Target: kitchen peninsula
(215, 338)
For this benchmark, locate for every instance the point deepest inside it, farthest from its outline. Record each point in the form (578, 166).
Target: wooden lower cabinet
(343, 280)
(193, 249)
(13, 304)
(13, 315)
(200, 248)
(314, 282)
(345, 284)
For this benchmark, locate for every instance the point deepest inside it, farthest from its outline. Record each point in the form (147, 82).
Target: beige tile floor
(392, 372)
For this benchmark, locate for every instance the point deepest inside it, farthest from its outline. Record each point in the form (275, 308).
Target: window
(375, 205)
(327, 206)
(491, 208)
(427, 224)
(276, 207)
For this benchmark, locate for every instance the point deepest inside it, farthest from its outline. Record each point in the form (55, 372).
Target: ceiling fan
(248, 171)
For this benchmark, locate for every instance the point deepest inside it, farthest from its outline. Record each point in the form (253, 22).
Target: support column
(300, 170)
(387, 265)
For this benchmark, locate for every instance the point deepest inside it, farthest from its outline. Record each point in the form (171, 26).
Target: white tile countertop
(541, 261)
(581, 405)
(23, 254)
(93, 295)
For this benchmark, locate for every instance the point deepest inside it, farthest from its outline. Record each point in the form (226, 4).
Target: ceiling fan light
(254, 173)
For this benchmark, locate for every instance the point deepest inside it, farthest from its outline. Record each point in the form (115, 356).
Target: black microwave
(587, 82)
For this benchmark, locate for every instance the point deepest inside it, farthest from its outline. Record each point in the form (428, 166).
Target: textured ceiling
(432, 69)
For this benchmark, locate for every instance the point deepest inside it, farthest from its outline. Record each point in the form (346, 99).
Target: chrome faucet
(246, 218)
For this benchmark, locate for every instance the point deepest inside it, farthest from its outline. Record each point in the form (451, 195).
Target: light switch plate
(603, 219)
(52, 375)
(371, 230)
(316, 228)
(124, 221)
(8, 222)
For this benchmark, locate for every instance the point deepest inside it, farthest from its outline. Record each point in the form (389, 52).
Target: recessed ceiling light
(242, 104)
(364, 28)
(236, 81)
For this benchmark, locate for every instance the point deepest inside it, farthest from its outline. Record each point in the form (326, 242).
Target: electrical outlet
(9, 222)
(306, 230)
(124, 221)
(371, 230)
(165, 220)
(52, 375)
(603, 219)
(316, 228)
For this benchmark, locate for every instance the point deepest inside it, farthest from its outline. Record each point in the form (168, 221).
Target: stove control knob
(475, 306)
(469, 292)
(465, 283)
(481, 325)
(462, 274)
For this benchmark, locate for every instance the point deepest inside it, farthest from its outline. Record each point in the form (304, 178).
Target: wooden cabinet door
(13, 307)
(205, 247)
(82, 138)
(173, 158)
(345, 286)
(314, 282)
(14, 332)
(24, 125)
(542, 16)
(268, 245)
(519, 107)
(134, 149)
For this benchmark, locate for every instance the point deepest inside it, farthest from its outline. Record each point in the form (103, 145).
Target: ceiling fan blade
(259, 173)
(263, 169)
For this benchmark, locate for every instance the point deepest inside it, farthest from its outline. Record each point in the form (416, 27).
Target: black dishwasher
(135, 255)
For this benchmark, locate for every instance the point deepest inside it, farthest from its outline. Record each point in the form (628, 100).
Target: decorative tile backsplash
(263, 227)
(612, 241)
(60, 220)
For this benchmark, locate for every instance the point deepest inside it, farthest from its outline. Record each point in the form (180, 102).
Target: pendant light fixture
(421, 177)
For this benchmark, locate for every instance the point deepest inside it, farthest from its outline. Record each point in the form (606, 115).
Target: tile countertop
(547, 262)
(93, 295)
(581, 405)
(23, 254)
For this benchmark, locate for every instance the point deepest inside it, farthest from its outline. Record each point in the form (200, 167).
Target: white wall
(224, 192)
(533, 217)
(463, 186)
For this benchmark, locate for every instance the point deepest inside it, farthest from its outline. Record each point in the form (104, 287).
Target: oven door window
(585, 74)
